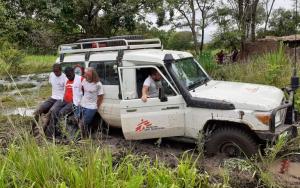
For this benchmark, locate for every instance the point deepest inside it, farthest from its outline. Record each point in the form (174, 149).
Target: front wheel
(231, 141)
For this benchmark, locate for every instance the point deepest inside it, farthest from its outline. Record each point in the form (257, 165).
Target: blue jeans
(77, 111)
(87, 115)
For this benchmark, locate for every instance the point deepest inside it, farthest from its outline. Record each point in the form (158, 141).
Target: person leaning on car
(91, 100)
(151, 85)
(57, 79)
(62, 108)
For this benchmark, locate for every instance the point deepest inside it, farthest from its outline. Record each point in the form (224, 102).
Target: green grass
(37, 64)
(27, 163)
(32, 64)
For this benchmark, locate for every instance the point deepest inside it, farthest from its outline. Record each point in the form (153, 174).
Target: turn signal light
(264, 118)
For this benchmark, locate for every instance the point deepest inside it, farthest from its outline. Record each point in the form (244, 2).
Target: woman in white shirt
(91, 100)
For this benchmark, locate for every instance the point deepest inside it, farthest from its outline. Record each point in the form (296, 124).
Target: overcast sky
(287, 4)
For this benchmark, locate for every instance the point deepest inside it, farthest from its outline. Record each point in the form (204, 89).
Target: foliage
(206, 60)
(39, 26)
(27, 163)
(260, 164)
(282, 22)
(227, 40)
(180, 41)
(270, 69)
(11, 56)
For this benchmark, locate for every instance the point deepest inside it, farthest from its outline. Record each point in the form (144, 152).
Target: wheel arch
(212, 125)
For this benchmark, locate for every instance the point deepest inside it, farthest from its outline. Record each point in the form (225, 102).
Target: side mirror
(161, 95)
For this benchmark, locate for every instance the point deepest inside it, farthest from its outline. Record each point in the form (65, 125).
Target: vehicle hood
(242, 95)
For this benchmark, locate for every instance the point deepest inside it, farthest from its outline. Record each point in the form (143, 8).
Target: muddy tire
(231, 141)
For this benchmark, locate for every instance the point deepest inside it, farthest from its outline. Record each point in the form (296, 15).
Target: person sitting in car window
(151, 85)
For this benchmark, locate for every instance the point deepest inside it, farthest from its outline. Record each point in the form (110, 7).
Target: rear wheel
(231, 141)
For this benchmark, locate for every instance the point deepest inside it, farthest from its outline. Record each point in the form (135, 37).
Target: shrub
(11, 56)
(180, 41)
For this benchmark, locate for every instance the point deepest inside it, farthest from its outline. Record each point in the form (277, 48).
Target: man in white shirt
(151, 85)
(71, 97)
(57, 79)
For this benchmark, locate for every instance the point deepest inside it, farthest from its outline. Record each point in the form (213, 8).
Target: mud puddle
(18, 111)
(9, 86)
(287, 172)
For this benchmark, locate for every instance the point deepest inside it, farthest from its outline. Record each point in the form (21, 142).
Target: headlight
(263, 117)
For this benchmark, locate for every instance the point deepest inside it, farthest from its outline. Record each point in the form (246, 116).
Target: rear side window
(107, 71)
(78, 67)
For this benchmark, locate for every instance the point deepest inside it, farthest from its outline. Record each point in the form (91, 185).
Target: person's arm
(99, 100)
(145, 93)
(100, 94)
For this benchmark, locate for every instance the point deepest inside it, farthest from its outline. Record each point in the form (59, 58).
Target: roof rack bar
(108, 45)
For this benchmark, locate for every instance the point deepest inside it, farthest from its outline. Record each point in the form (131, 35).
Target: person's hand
(144, 98)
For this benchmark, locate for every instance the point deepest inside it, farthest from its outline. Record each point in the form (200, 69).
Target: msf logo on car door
(146, 125)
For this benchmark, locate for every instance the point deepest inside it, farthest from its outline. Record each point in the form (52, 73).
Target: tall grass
(32, 64)
(37, 64)
(29, 164)
(271, 69)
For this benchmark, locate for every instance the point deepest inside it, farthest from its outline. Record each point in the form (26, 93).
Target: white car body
(174, 117)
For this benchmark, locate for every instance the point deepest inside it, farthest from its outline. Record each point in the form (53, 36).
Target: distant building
(271, 44)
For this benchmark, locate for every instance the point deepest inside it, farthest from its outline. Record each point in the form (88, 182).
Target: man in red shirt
(63, 107)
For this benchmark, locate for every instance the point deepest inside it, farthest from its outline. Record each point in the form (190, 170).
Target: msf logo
(143, 125)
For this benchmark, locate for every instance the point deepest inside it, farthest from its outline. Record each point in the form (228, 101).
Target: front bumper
(289, 126)
(291, 130)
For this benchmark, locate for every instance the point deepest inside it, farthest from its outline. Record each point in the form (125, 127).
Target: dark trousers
(44, 108)
(59, 110)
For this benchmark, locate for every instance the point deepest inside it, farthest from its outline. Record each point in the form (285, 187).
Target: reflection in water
(18, 111)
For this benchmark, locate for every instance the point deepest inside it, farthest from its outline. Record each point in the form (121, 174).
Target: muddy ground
(165, 150)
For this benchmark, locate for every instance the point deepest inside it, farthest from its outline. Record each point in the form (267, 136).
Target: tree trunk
(268, 16)
(253, 19)
(193, 26)
(202, 32)
(242, 24)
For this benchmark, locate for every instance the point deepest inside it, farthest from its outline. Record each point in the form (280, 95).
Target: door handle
(131, 110)
(170, 108)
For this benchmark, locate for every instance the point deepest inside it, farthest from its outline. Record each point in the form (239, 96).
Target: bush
(180, 41)
(206, 60)
(11, 56)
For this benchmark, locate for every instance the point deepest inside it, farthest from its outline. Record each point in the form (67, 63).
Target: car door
(151, 119)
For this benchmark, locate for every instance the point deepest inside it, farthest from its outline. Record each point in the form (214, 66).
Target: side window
(143, 73)
(107, 71)
(78, 67)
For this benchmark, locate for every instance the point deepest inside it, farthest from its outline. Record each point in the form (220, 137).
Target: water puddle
(29, 83)
(18, 111)
(23, 82)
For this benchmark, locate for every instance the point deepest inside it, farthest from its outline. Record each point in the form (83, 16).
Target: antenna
(295, 78)
(295, 47)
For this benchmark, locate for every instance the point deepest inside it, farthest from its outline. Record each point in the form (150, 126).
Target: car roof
(141, 56)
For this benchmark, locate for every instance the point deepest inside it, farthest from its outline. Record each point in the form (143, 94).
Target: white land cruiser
(231, 115)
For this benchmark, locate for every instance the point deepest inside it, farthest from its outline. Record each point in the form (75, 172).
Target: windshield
(189, 73)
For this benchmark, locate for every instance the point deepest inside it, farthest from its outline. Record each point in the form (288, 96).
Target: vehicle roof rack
(91, 39)
(109, 45)
(129, 37)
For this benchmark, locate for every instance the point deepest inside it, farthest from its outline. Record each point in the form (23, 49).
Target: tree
(34, 23)
(244, 14)
(268, 10)
(205, 7)
(282, 22)
(180, 41)
(187, 13)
